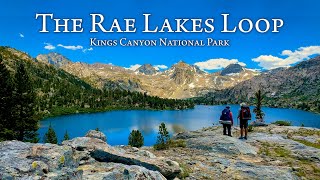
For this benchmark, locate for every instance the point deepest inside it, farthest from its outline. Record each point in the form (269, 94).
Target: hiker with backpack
(226, 120)
(244, 116)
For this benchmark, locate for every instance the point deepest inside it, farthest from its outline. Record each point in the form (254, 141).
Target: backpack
(245, 113)
(225, 116)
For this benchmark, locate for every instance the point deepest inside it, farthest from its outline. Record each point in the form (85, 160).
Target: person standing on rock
(226, 120)
(244, 116)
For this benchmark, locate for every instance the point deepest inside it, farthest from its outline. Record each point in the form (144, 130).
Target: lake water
(117, 125)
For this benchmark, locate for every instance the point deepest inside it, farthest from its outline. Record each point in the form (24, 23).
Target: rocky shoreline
(272, 152)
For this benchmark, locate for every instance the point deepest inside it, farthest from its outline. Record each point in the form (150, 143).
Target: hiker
(244, 116)
(226, 120)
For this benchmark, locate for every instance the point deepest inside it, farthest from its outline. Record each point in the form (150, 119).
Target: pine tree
(258, 101)
(24, 101)
(6, 106)
(136, 139)
(163, 138)
(66, 136)
(50, 136)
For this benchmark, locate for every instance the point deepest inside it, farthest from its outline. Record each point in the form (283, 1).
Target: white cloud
(158, 67)
(219, 63)
(134, 67)
(49, 46)
(21, 35)
(85, 50)
(301, 54)
(71, 47)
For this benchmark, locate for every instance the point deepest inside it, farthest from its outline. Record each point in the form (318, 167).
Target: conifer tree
(24, 102)
(6, 95)
(66, 136)
(163, 138)
(258, 101)
(136, 139)
(50, 136)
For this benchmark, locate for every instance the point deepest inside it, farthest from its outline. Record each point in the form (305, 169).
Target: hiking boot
(245, 137)
(230, 135)
(240, 137)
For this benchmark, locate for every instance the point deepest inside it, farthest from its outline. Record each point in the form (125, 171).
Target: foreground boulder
(96, 134)
(35, 161)
(270, 152)
(99, 170)
(82, 158)
(93, 148)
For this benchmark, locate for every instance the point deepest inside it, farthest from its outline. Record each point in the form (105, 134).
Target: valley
(294, 87)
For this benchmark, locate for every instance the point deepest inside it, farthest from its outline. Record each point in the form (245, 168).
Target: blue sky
(297, 40)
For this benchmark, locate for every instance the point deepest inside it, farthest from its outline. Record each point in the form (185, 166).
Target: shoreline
(90, 111)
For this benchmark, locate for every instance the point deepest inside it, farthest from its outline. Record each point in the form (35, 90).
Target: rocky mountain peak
(183, 73)
(54, 59)
(181, 64)
(147, 69)
(232, 69)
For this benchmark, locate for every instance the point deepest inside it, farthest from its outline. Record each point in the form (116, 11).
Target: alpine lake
(117, 125)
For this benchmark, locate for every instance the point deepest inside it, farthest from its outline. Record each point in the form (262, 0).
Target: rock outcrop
(21, 160)
(90, 149)
(82, 158)
(54, 59)
(96, 134)
(271, 152)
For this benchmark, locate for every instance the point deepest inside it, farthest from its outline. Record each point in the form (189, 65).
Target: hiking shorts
(243, 123)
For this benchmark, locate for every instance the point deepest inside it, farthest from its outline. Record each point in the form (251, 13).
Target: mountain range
(59, 92)
(294, 87)
(178, 82)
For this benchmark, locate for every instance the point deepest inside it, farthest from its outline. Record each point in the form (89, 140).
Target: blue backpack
(225, 116)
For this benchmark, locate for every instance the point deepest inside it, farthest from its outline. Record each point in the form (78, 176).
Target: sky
(297, 40)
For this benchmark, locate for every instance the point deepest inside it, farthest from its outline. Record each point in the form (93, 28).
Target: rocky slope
(295, 87)
(180, 81)
(271, 152)
(54, 87)
(59, 92)
(53, 58)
